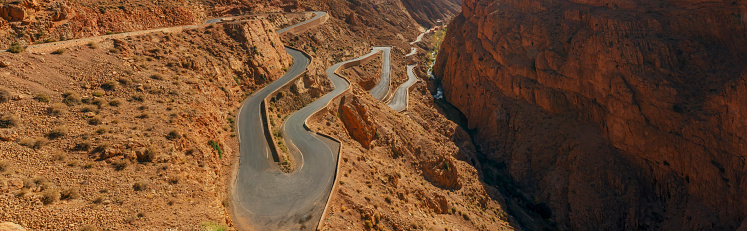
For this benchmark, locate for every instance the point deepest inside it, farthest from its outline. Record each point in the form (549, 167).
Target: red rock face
(621, 114)
(353, 115)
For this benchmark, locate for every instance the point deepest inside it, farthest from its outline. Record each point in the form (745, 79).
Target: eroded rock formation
(353, 115)
(619, 114)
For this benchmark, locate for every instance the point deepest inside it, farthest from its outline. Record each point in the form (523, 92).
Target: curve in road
(399, 100)
(381, 90)
(317, 15)
(263, 197)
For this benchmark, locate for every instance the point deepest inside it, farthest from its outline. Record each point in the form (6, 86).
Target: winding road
(381, 90)
(399, 100)
(265, 198)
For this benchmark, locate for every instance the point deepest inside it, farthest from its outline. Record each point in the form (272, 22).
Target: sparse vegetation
(50, 196)
(173, 135)
(109, 85)
(57, 132)
(69, 194)
(120, 164)
(149, 155)
(82, 146)
(34, 143)
(212, 226)
(115, 103)
(59, 51)
(8, 121)
(140, 186)
(57, 109)
(71, 98)
(41, 97)
(16, 48)
(4, 96)
(4, 166)
(96, 120)
(216, 146)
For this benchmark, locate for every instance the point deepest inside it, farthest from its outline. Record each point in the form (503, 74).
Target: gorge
(615, 114)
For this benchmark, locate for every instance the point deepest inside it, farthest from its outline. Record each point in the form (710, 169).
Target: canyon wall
(619, 114)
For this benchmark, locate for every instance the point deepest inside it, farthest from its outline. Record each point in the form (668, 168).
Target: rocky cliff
(618, 114)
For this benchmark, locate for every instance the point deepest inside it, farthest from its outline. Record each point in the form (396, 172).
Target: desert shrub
(120, 164)
(93, 45)
(71, 98)
(98, 200)
(88, 165)
(16, 48)
(87, 109)
(59, 51)
(173, 135)
(8, 121)
(140, 186)
(149, 155)
(82, 146)
(98, 93)
(96, 120)
(115, 103)
(41, 97)
(174, 179)
(212, 226)
(102, 130)
(142, 116)
(99, 102)
(73, 163)
(57, 109)
(5, 96)
(138, 98)
(34, 143)
(4, 166)
(57, 132)
(109, 85)
(157, 76)
(216, 146)
(50, 196)
(124, 81)
(69, 194)
(59, 156)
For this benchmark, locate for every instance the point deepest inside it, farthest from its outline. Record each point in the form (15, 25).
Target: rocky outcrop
(9, 226)
(441, 172)
(619, 114)
(359, 126)
(254, 35)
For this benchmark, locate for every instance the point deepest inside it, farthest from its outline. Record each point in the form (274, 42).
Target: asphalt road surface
(413, 51)
(399, 100)
(265, 198)
(381, 89)
(420, 37)
(317, 15)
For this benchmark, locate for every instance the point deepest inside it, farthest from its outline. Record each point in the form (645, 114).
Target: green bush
(59, 51)
(16, 48)
(216, 146)
(41, 97)
(109, 85)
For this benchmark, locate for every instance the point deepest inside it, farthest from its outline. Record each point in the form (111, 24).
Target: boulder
(353, 114)
(9, 226)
